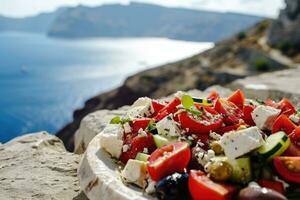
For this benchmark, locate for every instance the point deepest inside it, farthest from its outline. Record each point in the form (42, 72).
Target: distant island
(133, 20)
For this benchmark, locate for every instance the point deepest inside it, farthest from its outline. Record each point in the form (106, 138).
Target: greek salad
(209, 148)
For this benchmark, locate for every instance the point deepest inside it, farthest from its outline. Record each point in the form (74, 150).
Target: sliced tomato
(231, 128)
(231, 113)
(157, 106)
(247, 115)
(288, 168)
(238, 98)
(136, 145)
(202, 188)
(283, 123)
(168, 160)
(213, 96)
(210, 120)
(171, 107)
(294, 148)
(273, 185)
(270, 102)
(138, 124)
(286, 107)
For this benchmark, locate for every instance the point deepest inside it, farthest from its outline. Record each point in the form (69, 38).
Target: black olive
(173, 187)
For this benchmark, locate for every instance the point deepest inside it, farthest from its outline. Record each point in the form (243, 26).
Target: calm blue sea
(43, 80)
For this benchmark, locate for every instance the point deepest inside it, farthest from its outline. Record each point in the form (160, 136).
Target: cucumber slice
(162, 141)
(241, 168)
(205, 102)
(142, 157)
(275, 145)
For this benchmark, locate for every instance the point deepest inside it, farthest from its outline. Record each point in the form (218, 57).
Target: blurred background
(55, 55)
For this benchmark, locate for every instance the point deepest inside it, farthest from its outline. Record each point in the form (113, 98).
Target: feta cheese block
(264, 116)
(238, 143)
(135, 171)
(140, 108)
(111, 139)
(168, 127)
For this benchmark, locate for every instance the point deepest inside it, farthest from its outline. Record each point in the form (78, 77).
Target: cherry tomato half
(238, 98)
(213, 96)
(273, 185)
(202, 188)
(136, 145)
(138, 124)
(233, 127)
(157, 106)
(210, 120)
(231, 113)
(171, 107)
(294, 148)
(288, 168)
(286, 107)
(168, 160)
(247, 115)
(283, 123)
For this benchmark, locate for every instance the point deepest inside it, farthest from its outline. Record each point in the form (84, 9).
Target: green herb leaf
(119, 120)
(116, 120)
(187, 101)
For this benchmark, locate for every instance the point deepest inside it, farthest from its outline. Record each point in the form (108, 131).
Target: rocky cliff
(244, 54)
(284, 33)
(148, 20)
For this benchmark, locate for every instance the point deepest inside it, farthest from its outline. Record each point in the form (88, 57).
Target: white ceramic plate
(99, 177)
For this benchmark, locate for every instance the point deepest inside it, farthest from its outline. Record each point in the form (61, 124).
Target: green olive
(216, 147)
(220, 171)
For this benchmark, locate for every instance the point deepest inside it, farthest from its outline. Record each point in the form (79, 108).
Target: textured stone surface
(37, 166)
(274, 85)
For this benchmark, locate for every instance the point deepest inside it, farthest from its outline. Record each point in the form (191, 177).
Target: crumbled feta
(111, 139)
(180, 94)
(135, 172)
(238, 143)
(150, 187)
(264, 116)
(295, 118)
(145, 150)
(168, 127)
(142, 133)
(142, 107)
(127, 128)
(125, 148)
(214, 136)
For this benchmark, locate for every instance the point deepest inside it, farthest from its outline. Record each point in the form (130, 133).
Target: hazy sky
(19, 8)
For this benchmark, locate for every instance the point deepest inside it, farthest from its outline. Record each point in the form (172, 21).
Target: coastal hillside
(247, 53)
(147, 20)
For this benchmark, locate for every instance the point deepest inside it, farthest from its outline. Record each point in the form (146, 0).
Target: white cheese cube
(142, 107)
(127, 127)
(168, 127)
(111, 139)
(135, 172)
(139, 112)
(238, 143)
(142, 101)
(264, 116)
